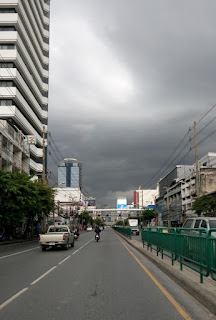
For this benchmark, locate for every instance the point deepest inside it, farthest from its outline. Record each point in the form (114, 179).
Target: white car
(89, 229)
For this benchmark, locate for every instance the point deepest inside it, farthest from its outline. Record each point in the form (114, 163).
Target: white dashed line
(64, 260)
(43, 275)
(12, 298)
(38, 279)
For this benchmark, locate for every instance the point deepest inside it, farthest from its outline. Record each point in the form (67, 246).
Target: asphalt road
(94, 280)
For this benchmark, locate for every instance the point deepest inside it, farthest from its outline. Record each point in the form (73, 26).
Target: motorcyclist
(97, 231)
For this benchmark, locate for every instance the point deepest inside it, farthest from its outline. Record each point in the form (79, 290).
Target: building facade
(177, 190)
(70, 173)
(24, 72)
(14, 155)
(145, 198)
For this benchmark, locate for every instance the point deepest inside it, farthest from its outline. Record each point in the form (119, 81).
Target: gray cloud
(127, 80)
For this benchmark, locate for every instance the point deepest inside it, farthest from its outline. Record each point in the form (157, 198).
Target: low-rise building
(177, 190)
(145, 198)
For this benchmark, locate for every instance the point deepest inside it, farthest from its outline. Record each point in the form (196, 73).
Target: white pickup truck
(59, 235)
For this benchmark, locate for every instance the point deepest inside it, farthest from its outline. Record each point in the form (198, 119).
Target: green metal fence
(195, 248)
(123, 230)
(192, 250)
(212, 253)
(160, 239)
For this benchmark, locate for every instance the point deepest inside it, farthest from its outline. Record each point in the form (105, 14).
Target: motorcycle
(97, 237)
(76, 235)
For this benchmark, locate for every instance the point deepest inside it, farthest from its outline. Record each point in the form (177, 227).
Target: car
(200, 222)
(89, 229)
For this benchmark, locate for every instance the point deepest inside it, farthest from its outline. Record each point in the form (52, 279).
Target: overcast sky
(127, 80)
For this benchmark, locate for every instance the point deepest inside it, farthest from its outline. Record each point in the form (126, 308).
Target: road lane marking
(43, 275)
(12, 298)
(50, 270)
(64, 259)
(38, 279)
(82, 247)
(163, 290)
(14, 254)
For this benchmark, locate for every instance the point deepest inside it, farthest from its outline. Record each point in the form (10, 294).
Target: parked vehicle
(133, 223)
(200, 222)
(89, 229)
(57, 236)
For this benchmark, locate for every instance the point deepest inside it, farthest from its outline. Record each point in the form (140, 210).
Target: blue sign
(121, 206)
(150, 207)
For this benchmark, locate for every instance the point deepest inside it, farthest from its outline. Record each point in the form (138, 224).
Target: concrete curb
(195, 289)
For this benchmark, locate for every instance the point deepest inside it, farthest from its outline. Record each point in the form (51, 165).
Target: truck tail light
(63, 236)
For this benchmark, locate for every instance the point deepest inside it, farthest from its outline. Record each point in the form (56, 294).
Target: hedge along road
(94, 280)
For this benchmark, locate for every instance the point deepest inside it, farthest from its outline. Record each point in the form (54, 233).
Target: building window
(6, 102)
(46, 40)
(7, 10)
(7, 84)
(7, 28)
(46, 26)
(7, 46)
(7, 65)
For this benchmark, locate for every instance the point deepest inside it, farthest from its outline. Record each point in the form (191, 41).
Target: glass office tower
(70, 173)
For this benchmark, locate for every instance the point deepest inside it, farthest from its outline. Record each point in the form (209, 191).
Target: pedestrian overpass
(110, 216)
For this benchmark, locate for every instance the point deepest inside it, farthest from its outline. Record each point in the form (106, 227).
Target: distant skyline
(127, 81)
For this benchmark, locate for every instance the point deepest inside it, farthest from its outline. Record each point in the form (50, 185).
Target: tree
(85, 218)
(147, 215)
(98, 221)
(22, 200)
(17, 192)
(205, 204)
(119, 223)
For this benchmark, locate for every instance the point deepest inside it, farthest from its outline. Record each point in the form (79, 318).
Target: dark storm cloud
(127, 80)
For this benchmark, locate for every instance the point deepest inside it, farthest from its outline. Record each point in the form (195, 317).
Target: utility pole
(44, 181)
(196, 160)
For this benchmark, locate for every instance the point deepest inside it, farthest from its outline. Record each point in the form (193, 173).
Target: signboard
(121, 203)
(31, 139)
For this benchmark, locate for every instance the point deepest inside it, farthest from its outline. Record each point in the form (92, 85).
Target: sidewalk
(188, 279)
(2, 243)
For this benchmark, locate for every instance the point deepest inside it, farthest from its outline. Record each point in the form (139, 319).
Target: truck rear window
(58, 229)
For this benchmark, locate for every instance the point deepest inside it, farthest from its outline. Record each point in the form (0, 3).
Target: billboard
(122, 203)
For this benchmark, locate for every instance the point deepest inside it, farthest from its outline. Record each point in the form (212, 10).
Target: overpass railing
(194, 248)
(123, 230)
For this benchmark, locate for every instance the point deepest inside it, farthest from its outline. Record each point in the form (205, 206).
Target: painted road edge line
(156, 282)
(43, 275)
(14, 254)
(12, 298)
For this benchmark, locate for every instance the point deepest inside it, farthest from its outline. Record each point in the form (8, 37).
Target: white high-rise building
(24, 72)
